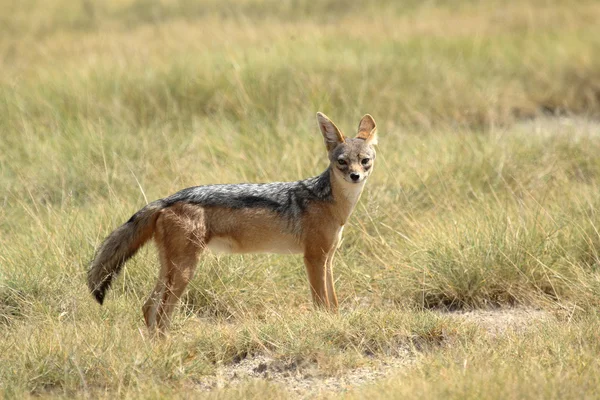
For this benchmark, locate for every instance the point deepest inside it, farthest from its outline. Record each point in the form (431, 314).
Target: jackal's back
(288, 199)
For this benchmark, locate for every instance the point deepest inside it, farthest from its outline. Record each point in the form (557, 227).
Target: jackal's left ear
(367, 129)
(332, 135)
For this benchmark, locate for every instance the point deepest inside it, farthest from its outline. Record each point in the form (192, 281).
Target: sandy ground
(497, 322)
(305, 380)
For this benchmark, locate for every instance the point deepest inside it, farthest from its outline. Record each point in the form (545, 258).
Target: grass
(64, 356)
(484, 194)
(552, 361)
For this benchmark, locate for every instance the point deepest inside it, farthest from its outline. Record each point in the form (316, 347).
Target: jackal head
(351, 159)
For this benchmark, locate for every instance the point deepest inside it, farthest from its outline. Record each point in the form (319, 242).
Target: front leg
(333, 301)
(318, 258)
(316, 269)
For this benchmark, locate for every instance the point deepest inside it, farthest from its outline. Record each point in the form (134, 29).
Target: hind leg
(180, 238)
(150, 308)
(181, 272)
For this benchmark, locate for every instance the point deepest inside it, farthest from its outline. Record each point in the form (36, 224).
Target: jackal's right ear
(332, 135)
(367, 129)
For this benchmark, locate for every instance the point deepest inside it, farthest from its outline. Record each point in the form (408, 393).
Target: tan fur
(264, 231)
(180, 236)
(366, 128)
(183, 231)
(118, 247)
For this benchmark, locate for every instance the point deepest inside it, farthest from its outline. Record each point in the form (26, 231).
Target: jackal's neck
(345, 195)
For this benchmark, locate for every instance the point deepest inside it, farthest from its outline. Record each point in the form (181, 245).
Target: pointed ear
(332, 135)
(367, 129)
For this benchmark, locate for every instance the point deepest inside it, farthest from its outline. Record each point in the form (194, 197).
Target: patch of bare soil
(305, 380)
(498, 322)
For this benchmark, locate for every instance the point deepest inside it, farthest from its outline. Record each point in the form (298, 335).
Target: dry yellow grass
(484, 195)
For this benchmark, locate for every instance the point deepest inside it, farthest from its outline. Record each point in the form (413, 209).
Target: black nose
(354, 176)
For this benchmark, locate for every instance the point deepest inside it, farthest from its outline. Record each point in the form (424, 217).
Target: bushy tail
(120, 246)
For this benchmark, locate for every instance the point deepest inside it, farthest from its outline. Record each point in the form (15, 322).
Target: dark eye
(365, 161)
(342, 162)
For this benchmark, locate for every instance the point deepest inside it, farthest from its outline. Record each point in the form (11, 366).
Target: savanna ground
(470, 268)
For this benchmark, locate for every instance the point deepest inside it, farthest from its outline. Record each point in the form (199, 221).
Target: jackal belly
(250, 230)
(270, 243)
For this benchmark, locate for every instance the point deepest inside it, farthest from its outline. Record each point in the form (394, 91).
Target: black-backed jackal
(305, 217)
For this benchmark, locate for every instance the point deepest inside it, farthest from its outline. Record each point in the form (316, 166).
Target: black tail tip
(99, 295)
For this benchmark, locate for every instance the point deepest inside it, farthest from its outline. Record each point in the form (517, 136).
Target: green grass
(485, 192)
